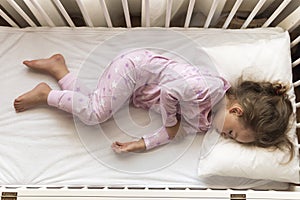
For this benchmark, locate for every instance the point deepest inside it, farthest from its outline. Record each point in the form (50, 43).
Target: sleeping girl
(255, 112)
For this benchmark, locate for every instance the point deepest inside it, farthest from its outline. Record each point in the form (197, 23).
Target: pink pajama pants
(114, 89)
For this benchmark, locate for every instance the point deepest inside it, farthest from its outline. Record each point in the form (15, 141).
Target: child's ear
(236, 109)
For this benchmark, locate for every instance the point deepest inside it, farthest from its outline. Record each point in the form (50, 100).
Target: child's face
(233, 128)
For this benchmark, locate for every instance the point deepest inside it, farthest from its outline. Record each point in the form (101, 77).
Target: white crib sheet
(42, 147)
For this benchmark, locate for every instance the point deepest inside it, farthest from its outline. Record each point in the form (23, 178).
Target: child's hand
(134, 146)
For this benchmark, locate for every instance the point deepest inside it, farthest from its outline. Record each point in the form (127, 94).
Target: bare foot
(54, 66)
(36, 96)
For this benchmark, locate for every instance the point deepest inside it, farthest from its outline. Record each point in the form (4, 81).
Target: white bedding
(42, 146)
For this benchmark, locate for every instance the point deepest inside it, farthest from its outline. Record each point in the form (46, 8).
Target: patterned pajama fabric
(148, 80)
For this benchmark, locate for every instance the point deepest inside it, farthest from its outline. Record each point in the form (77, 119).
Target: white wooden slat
(253, 13)
(298, 105)
(146, 6)
(291, 21)
(64, 12)
(298, 125)
(8, 19)
(22, 13)
(43, 13)
(168, 13)
(296, 84)
(126, 13)
(34, 11)
(296, 62)
(232, 13)
(276, 13)
(211, 13)
(84, 13)
(295, 42)
(189, 13)
(106, 13)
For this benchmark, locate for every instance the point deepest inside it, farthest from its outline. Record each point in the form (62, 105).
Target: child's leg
(57, 68)
(85, 107)
(54, 66)
(114, 89)
(72, 83)
(36, 96)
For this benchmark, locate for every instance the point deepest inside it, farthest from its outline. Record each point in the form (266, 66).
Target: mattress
(45, 146)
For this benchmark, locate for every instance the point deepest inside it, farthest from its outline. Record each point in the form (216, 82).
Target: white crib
(197, 15)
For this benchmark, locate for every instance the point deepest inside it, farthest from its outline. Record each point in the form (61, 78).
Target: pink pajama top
(180, 89)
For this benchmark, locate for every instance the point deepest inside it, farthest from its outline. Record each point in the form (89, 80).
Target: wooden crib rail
(296, 73)
(126, 193)
(55, 13)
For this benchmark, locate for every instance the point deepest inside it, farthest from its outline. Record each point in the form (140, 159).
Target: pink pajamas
(114, 88)
(145, 79)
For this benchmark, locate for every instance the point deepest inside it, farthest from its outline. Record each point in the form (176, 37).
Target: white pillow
(264, 59)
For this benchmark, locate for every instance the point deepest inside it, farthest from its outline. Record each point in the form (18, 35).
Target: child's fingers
(119, 143)
(118, 147)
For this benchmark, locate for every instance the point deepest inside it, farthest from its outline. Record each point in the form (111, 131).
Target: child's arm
(169, 102)
(161, 137)
(134, 146)
(172, 131)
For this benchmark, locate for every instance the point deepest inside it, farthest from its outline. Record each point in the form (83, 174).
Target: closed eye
(230, 134)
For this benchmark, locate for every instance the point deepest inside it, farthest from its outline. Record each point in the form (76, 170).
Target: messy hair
(266, 110)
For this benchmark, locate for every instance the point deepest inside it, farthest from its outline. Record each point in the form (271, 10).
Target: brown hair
(266, 111)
